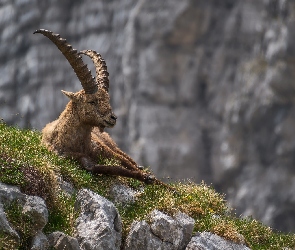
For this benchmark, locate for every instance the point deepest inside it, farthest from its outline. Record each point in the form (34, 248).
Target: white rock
(166, 228)
(99, 225)
(164, 232)
(61, 241)
(123, 194)
(141, 237)
(209, 241)
(35, 207)
(40, 242)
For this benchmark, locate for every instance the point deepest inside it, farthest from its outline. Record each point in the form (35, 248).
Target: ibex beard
(79, 131)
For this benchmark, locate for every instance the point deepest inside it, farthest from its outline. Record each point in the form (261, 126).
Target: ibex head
(92, 104)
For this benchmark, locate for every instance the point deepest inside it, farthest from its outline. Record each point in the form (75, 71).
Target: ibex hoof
(149, 179)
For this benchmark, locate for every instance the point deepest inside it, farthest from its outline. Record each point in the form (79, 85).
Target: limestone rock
(66, 187)
(122, 194)
(141, 237)
(187, 224)
(40, 242)
(164, 232)
(36, 209)
(166, 228)
(10, 193)
(99, 224)
(61, 241)
(209, 241)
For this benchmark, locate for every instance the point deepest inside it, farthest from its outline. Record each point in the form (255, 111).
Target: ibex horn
(102, 75)
(83, 73)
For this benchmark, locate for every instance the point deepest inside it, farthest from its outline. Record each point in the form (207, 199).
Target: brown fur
(79, 130)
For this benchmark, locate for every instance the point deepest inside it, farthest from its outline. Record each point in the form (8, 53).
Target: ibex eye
(92, 103)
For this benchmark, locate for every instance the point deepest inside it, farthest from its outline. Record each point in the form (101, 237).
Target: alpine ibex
(79, 130)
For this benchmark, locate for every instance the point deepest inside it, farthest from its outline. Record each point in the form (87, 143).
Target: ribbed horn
(102, 75)
(83, 73)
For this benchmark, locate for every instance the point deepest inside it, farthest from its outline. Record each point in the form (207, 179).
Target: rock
(99, 225)
(141, 237)
(209, 241)
(166, 228)
(8, 236)
(122, 194)
(61, 241)
(36, 209)
(164, 232)
(10, 193)
(39, 242)
(187, 224)
(66, 187)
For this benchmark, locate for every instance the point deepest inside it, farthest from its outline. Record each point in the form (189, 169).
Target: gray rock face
(36, 209)
(39, 242)
(209, 241)
(123, 194)
(187, 225)
(99, 224)
(10, 193)
(61, 241)
(166, 228)
(164, 232)
(212, 77)
(141, 237)
(66, 187)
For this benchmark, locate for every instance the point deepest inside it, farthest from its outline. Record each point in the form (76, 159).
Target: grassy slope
(26, 163)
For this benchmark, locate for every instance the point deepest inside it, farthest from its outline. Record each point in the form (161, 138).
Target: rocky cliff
(202, 89)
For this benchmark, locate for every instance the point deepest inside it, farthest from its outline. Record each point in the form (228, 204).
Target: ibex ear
(68, 94)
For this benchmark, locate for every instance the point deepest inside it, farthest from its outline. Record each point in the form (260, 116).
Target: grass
(26, 163)
(22, 223)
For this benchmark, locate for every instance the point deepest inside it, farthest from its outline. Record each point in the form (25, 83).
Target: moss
(63, 216)
(26, 163)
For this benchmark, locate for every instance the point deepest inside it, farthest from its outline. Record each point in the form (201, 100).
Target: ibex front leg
(92, 167)
(110, 150)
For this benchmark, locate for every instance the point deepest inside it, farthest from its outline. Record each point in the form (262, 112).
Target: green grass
(22, 223)
(26, 163)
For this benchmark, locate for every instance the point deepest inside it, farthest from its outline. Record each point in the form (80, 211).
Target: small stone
(122, 194)
(166, 228)
(187, 224)
(35, 208)
(141, 237)
(61, 241)
(40, 242)
(10, 193)
(209, 241)
(66, 187)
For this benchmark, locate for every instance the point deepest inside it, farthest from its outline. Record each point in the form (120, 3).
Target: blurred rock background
(203, 89)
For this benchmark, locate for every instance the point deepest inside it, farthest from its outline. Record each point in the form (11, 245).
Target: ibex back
(79, 130)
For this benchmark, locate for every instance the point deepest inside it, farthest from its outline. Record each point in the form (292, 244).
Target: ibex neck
(76, 135)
